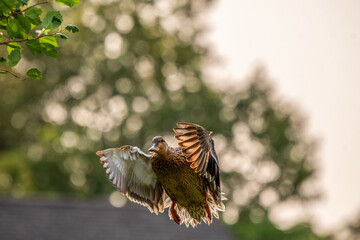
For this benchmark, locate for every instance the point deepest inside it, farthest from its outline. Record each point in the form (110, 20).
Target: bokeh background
(256, 74)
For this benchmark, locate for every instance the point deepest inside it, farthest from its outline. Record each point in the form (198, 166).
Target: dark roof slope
(65, 219)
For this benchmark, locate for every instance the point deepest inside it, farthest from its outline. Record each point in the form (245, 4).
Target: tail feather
(194, 215)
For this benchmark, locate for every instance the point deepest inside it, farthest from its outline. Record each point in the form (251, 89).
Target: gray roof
(75, 219)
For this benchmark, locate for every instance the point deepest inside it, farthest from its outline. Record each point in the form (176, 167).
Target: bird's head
(159, 145)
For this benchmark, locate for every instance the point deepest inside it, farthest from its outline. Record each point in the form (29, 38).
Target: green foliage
(34, 46)
(6, 6)
(70, 3)
(33, 15)
(48, 48)
(49, 40)
(14, 57)
(72, 28)
(52, 20)
(34, 73)
(14, 50)
(13, 27)
(61, 35)
(22, 24)
(12, 46)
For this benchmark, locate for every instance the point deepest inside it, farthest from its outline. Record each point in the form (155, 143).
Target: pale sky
(311, 50)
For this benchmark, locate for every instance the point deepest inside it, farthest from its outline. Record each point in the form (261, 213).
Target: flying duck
(185, 179)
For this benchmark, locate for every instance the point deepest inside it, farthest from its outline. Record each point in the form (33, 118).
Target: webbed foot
(174, 214)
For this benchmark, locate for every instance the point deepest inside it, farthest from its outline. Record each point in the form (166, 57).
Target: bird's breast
(180, 182)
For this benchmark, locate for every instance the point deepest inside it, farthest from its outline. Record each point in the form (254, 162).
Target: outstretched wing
(198, 145)
(129, 169)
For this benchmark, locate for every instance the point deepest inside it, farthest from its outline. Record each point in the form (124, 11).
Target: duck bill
(153, 148)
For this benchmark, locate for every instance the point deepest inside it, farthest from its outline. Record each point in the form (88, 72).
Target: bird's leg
(207, 207)
(174, 214)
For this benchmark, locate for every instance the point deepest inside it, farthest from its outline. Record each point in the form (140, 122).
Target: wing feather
(129, 170)
(198, 146)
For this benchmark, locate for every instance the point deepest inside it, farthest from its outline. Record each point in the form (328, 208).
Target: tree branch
(34, 6)
(26, 39)
(13, 74)
(14, 13)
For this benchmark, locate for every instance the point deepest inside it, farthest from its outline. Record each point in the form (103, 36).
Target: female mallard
(185, 178)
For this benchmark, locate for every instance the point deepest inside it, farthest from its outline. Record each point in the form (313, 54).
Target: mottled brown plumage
(181, 183)
(185, 178)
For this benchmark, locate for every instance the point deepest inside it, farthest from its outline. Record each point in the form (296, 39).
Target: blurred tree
(267, 165)
(132, 73)
(351, 231)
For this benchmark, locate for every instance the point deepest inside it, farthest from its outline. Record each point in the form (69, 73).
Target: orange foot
(207, 207)
(174, 214)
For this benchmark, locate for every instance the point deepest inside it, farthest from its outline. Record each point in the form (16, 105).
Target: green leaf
(3, 24)
(48, 45)
(62, 36)
(34, 46)
(34, 15)
(3, 72)
(49, 50)
(36, 10)
(50, 40)
(6, 5)
(13, 27)
(72, 28)
(24, 22)
(52, 20)
(12, 46)
(34, 73)
(69, 3)
(14, 57)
